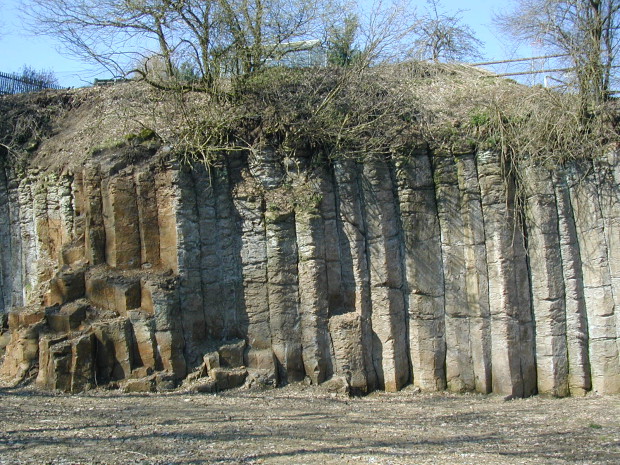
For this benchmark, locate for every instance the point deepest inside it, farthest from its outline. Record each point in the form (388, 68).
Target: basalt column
(476, 273)
(465, 274)
(345, 324)
(6, 265)
(548, 294)
(577, 340)
(597, 282)
(424, 286)
(355, 274)
(249, 208)
(383, 237)
(313, 280)
(512, 329)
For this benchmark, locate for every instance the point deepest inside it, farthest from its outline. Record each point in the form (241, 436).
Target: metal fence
(15, 84)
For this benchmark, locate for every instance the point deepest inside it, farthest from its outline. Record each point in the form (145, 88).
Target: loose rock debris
(303, 425)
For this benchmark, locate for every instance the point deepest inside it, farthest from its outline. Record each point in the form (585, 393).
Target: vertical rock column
(597, 285)
(608, 171)
(459, 359)
(44, 203)
(190, 255)
(146, 199)
(313, 284)
(548, 297)
(15, 287)
(254, 304)
(164, 295)
(59, 216)
(423, 270)
(120, 219)
(93, 210)
(576, 319)
(27, 237)
(389, 321)
(344, 323)
(66, 208)
(6, 265)
(512, 331)
(284, 317)
(354, 263)
(167, 195)
(229, 281)
(476, 274)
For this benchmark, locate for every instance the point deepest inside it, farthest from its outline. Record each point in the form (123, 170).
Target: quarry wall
(438, 269)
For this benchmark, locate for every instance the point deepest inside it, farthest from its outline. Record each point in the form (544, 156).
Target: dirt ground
(302, 425)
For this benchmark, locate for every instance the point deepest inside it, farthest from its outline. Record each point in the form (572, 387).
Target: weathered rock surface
(431, 268)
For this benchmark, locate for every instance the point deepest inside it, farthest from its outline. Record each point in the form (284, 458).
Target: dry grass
(327, 112)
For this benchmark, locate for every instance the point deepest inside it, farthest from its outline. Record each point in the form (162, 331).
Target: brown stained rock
(5, 339)
(147, 218)
(145, 345)
(146, 384)
(55, 359)
(83, 363)
(155, 382)
(114, 343)
(22, 352)
(146, 297)
(66, 364)
(166, 196)
(72, 254)
(23, 317)
(66, 286)
(113, 292)
(120, 215)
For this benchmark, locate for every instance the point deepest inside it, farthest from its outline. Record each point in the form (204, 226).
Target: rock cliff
(424, 267)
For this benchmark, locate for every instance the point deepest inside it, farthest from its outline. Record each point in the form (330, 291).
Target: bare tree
(441, 36)
(386, 30)
(585, 30)
(209, 36)
(46, 78)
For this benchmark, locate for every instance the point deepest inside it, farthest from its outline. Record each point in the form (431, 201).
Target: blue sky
(19, 48)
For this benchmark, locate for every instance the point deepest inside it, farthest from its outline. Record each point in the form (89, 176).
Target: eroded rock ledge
(417, 268)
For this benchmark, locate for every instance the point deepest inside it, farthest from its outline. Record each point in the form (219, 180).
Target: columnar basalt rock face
(434, 268)
(423, 270)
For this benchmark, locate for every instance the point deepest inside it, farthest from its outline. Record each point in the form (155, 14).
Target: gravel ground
(301, 425)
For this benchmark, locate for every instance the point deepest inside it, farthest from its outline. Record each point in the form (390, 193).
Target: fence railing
(15, 84)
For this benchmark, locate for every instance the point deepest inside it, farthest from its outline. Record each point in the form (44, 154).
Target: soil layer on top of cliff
(326, 112)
